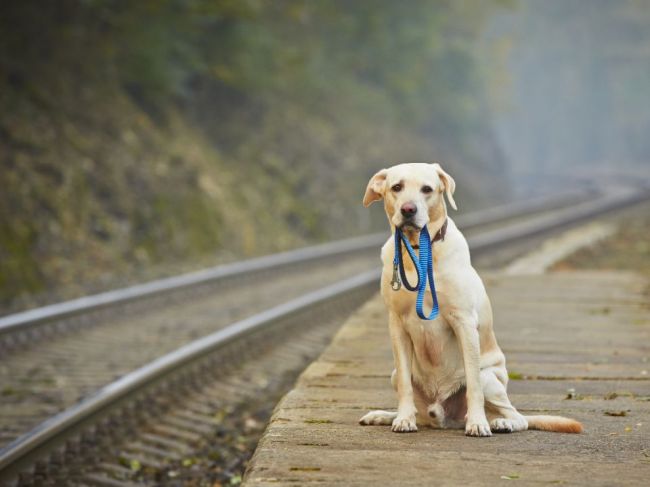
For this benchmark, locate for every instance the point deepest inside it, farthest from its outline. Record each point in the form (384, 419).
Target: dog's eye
(427, 189)
(396, 187)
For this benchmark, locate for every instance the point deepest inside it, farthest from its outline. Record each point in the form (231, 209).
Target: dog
(449, 372)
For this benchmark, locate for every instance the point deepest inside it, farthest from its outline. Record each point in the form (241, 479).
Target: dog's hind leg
(378, 418)
(386, 417)
(381, 417)
(503, 416)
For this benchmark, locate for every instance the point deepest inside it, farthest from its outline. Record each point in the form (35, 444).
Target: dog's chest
(434, 343)
(437, 365)
(430, 335)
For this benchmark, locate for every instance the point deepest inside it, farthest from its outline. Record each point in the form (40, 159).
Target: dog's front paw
(404, 424)
(478, 427)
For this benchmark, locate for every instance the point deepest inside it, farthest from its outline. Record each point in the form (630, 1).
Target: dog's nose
(409, 209)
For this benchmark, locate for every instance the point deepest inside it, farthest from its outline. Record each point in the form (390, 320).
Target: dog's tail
(554, 423)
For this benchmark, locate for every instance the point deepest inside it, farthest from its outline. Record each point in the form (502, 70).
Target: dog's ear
(448, 184)
(376, 187)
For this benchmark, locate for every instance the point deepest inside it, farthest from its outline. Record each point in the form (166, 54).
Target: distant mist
(576, 98)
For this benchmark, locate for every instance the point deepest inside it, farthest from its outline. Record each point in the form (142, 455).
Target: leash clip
(395, 283)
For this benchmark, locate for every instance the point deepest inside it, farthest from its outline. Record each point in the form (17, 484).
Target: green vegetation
(143, 138)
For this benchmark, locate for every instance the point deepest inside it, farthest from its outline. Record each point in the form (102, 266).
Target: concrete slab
(559, 247)
(577, 344)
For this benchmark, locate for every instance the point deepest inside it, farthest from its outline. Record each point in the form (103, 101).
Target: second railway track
(56, 355)
(121, 347)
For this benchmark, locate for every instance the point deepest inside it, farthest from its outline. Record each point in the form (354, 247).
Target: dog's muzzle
(409, 225)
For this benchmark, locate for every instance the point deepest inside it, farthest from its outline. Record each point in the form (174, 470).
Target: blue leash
(424, 267)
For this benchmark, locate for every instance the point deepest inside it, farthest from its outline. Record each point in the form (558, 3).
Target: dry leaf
(616, 413)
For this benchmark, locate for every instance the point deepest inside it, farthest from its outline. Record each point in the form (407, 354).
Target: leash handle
(399, 264)
(426, 269)
(424, 266)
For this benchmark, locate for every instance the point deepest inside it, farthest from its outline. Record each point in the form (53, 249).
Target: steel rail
(609, 201)
(141, 378)
(34, 444)
(26, 320)
(525, 207)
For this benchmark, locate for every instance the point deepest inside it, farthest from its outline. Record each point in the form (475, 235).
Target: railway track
(28, 326)
(193, 379)
(56, 355)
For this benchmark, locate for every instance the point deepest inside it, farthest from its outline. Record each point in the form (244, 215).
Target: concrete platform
(585, 331)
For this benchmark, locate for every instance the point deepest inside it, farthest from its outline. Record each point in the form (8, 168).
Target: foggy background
(577, 99)
(142, 139)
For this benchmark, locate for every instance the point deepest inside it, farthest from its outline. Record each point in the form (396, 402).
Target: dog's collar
(439, 236)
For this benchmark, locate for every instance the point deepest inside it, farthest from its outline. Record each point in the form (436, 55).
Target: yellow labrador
(449, 371)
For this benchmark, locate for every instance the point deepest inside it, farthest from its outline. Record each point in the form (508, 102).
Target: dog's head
(412, 193)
